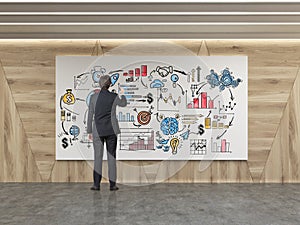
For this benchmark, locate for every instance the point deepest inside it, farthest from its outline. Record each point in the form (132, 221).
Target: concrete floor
(62, 203)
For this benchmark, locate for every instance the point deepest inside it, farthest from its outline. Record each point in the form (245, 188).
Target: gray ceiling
(149, 20)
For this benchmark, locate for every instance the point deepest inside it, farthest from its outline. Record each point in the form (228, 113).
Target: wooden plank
(202, 171)
(261, 53)
(293, 167)
(23, 81)
(151, 171)
(33, 174)
(259, 142)
(155, 171)
(20, 150)
(283, 165)
(40, 110)
(266, 108)
(129, 171)
(273, 171)
(34, 75)
(44, 148)
(81, 171)
(191, 45)
(219, 171)
(18, 164)
(10, 136)
(179, 171)
(2, 100)
(237, 171)
(44, 166)
(150, 47)
(60, 172)
(270, 84)
(31, 53)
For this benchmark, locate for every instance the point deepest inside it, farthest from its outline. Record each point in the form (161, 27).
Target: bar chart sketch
(201, 102)
(125, 117)
(221, 146)
(132, 139)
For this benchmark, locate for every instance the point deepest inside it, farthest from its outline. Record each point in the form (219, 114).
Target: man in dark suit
(108, 128)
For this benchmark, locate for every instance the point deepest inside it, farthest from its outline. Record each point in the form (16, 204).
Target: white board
(180, 108)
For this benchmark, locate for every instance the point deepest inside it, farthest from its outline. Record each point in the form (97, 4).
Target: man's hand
(91, 137)
(121, 91)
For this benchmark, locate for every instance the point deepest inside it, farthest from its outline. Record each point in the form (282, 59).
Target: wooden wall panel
(2, 100)
(136, 47)
(291, 167)
(60, 172)
(273, 170)
(262, 53)
(72, 171)
(128, 172)
(30, 73)
(283, 164)
(33, 173)
(17, 161)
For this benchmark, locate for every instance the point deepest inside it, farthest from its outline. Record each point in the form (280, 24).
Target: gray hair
(104, 82)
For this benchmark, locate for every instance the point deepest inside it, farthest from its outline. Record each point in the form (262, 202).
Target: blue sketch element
(157, 84)
(169, 125)
(213, 79)
(166, 148)
(114, 78)
(96, 76)
(162, 144)
(163, 141)
(97, 72)
(226, 80)
(74, 131)
(174, 78)
(185, 135)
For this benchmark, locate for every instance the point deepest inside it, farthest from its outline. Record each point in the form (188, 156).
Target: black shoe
(114, 188)
(95, 188)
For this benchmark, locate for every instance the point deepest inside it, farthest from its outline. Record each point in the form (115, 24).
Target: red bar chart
(143, 143)
(201, 102)
(137, 139)
(221, 146)
(137, 72)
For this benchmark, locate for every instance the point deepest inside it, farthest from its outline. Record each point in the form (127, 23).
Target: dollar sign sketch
(69, 98)
(149, 98)
(201, 129)
(65, 143)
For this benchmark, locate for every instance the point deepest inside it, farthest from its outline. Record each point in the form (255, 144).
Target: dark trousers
(111, 146)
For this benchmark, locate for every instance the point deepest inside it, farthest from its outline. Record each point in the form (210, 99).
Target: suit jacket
(92, 106)
(105, 112)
